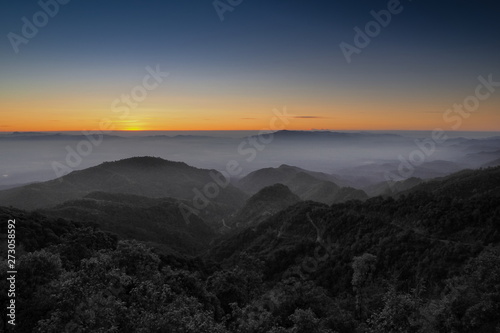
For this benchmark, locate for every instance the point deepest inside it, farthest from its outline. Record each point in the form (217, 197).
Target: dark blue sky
(265, 53)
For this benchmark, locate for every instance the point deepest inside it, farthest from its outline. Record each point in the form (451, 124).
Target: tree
(471, 302)
(363, 268)
(400, 314)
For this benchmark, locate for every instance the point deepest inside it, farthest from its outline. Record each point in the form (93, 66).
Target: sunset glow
(230, 75)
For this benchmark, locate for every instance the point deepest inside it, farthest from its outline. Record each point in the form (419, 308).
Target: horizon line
(249, 130)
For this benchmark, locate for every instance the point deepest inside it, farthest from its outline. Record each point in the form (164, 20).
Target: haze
(358, 158)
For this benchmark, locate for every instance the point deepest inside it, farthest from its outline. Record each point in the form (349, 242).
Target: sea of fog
(32, 157)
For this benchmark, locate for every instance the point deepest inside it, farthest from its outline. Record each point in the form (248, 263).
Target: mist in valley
(357, 159)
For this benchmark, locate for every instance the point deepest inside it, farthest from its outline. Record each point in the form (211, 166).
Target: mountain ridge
(146, 176)
(308, 185)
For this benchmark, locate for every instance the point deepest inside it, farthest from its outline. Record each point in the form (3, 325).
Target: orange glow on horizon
(359, 115)
(347, 123)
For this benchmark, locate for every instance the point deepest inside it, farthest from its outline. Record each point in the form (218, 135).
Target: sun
(131, 125)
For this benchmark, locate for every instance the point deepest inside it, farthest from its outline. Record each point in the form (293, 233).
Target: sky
(229, 68)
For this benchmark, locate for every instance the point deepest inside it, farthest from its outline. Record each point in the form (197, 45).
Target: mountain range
(145, 198)
(157, 222)
(308, 185)
(145, 176)
(424, 256)
(265, 203)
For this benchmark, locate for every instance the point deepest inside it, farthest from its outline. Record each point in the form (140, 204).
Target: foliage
(440, 252)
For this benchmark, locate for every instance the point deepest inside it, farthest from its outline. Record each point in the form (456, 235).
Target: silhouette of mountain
(158, 222)
(27, 136)
(349, 263)
(9, 186)
(308, 185)
(493, 163)
(265, 203)
(439, 216)
(367, 175)
(146, 176)
(463, 184)
(389, 188)
(326, 136)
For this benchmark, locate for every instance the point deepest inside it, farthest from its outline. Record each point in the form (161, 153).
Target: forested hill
(158, 222)
(267, 202)
(464, 184)
(308, 185)
(146, 176)
(425, 241)
(426, 261)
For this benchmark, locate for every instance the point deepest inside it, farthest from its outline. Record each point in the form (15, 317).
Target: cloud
(248, 118)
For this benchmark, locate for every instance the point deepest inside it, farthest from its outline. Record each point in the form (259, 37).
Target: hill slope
(267, 202)
(156, 221)
(463, 184)
(432, 223)
(308, 185)
(144, 176)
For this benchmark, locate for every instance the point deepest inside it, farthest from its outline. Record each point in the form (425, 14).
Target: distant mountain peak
(265, 203)
(277, 190)
(146, 176)
(146, 161)
(286, 166)
(36, 134)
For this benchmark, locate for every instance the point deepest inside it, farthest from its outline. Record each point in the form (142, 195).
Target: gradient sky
(266, 54)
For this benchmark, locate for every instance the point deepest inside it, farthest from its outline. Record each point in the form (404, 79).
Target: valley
(276, 249)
